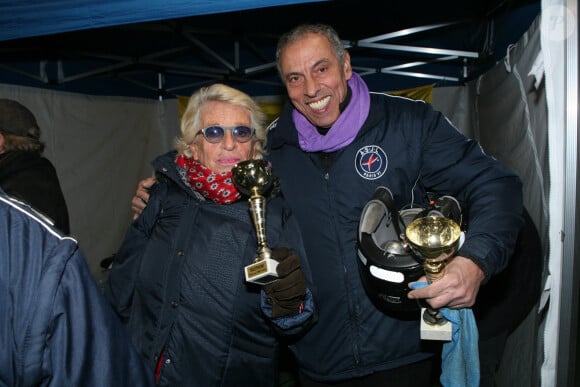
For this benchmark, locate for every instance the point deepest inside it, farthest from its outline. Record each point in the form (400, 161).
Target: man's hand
(457, 289)
(287, 293)
(139, 201)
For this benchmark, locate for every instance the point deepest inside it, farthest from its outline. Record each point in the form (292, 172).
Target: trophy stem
(258, 210)
(432, 317)
(435, 240)
(434, 270)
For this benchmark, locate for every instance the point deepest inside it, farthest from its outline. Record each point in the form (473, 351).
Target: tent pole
(568, 328)
(160, 86)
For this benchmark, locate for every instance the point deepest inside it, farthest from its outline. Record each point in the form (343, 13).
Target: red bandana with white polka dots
(217, 187)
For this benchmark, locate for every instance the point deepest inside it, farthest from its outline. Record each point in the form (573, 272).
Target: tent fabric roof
(26, 18)
(166, 48)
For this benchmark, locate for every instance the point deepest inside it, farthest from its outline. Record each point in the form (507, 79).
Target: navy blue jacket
(178, 283)
(408, 147)
(56, 328)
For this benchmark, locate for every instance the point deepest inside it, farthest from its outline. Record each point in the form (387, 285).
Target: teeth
(319, 104)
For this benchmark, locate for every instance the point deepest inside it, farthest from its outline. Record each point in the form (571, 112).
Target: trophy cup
(434, 239)
(253, 177)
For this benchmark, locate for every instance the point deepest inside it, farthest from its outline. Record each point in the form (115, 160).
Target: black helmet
(386, 262)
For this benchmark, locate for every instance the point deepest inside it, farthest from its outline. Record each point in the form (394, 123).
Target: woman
(177, 281)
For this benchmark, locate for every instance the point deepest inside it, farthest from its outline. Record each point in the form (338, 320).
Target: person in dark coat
(342, 141)
(56, 327)
(24, 173)
(177, 281)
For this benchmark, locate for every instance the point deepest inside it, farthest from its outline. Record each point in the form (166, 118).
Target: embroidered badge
(371, 162)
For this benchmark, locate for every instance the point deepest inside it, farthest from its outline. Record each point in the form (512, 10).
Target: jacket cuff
(292, 321)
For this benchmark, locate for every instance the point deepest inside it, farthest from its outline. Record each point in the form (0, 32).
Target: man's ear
(2, 140)
(347, 68)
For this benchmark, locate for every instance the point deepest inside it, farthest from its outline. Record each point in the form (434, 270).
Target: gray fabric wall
(101, 148)
(506, 111)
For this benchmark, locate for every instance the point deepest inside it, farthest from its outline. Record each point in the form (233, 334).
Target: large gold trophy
(434, 240)
(253, 177)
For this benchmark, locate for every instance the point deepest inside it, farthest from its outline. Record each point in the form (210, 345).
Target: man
(332, 146)
(24, 173)
(56, 328)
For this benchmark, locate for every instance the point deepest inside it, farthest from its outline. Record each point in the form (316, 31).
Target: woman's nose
(229, 141)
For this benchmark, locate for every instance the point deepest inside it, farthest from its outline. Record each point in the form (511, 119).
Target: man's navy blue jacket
(411, 149)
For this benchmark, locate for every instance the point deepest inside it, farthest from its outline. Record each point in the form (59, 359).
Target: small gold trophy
(253, 177)
(434, 239)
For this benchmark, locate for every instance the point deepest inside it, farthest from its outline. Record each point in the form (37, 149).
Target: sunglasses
(216, 133)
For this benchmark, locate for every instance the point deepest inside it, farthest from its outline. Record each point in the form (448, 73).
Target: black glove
(287, 293)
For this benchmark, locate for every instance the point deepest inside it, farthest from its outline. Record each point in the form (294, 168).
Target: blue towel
(460, 356)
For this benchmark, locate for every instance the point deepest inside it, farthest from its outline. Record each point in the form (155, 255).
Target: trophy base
(262, 272)
(441, 332)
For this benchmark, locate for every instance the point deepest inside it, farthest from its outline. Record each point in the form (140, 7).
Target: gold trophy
(434, 239)
(253, 177)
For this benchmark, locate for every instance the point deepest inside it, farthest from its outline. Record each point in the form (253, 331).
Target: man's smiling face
(314, 78)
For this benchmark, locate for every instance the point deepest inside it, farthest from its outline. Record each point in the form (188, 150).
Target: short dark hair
(298, 33)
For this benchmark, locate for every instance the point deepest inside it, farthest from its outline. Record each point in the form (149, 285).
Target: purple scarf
(346, 127)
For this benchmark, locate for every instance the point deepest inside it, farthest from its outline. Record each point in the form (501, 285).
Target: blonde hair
(191, 119)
